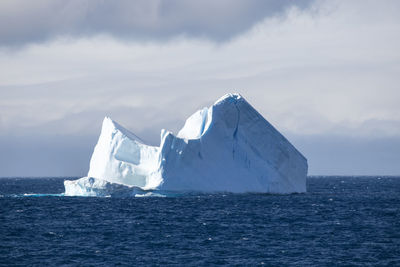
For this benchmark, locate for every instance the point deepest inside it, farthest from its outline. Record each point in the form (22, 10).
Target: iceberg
(228, 147)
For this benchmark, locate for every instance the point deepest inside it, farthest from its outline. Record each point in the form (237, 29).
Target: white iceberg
(228, 147)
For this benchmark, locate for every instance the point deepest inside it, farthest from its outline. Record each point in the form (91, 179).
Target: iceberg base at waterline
(89, 186)
(228, 147)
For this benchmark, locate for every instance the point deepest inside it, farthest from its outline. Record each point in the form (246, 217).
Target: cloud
(343, 155)
(45, 155)
(68, 155)
(24, 22)
(331, 71)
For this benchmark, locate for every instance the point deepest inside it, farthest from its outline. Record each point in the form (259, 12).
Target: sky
(325, 73)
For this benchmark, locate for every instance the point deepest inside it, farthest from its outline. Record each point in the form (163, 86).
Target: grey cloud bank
(24, 22)
(69, 155)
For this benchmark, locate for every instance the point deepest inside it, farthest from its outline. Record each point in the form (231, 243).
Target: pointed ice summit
(228, 147)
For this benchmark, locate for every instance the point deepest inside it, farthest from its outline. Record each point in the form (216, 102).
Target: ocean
(349, 221)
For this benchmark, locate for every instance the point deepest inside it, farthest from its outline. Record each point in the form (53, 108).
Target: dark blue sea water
(340, 221)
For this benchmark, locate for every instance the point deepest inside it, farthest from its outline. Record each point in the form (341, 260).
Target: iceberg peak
(231, 97)
(228, 146)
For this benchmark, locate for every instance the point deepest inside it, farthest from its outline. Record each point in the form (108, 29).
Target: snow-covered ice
(228, 147)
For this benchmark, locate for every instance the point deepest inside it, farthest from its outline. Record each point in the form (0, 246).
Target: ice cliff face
(228, 147)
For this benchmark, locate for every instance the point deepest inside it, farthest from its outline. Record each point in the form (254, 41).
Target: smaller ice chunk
(89, 186)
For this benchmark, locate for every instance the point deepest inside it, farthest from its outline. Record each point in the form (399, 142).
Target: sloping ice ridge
(228, 147)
